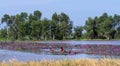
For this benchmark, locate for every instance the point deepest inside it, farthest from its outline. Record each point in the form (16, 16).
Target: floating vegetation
(68, 48)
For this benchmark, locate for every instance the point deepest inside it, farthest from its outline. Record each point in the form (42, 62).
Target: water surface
(27, 56)
(73, 42)
(7, 55)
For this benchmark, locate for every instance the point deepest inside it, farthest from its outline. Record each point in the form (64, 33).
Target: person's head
(50, 48)
(61, 47)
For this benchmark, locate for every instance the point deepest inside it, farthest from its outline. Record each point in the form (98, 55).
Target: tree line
(103, 27)
(26, 26)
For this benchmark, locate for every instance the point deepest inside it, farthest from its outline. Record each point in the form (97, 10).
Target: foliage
(26, 26)
(78, 32)
(103, 27)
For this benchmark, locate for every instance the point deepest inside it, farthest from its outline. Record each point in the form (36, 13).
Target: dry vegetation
(80, 62)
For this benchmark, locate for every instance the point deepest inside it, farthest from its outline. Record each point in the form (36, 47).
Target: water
(22, 56)
(7, 55)
(73, 42)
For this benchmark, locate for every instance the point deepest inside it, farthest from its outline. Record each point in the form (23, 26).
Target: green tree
(117, 25)
(91, 28)
(3, 33)
(64, 26)
(37, 15)
(61, 26)
(78, 32)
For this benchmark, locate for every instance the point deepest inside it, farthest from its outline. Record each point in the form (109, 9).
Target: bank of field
(80, 62)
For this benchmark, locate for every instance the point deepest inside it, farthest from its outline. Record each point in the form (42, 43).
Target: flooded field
(25, 51)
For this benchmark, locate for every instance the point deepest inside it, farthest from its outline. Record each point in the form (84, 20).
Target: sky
(77, 10)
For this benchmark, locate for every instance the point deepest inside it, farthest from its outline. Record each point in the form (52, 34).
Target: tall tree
(54, 26)
(65, 26)
(78, 32)
(91, 28)
(37, 15)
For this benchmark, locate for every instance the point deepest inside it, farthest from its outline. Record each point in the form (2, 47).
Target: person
(70, 52)
(51, 50)
(61, 50)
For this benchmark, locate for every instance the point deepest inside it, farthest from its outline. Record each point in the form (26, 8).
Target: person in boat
(51, 50)
(62, 50)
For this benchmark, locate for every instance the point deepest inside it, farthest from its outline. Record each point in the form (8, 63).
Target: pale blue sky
(78, 10)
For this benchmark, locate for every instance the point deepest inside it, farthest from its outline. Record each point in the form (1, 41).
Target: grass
(79, 62)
